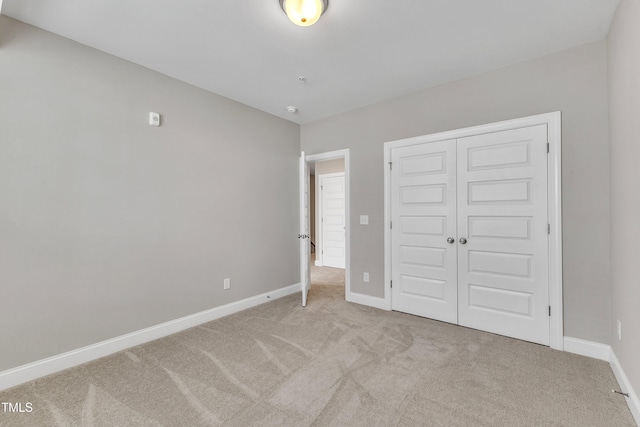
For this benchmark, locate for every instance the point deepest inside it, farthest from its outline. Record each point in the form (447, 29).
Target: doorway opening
(329, 220)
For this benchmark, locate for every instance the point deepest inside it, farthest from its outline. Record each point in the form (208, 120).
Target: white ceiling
(359, 53)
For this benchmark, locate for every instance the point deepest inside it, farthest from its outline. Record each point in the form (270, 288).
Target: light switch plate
(364, 219)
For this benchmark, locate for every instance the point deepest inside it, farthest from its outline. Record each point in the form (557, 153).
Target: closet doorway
(471, 214)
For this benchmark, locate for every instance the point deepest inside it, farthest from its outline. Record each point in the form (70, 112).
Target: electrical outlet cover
(154, 119)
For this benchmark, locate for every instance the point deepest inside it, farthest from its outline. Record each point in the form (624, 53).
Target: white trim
(342, 154)
(367, 300)
(554, 210)
(386, 223)
(605, 352)
(554, 215)
(632, 401)
(587, 348)
(41, 368)
(319, 261)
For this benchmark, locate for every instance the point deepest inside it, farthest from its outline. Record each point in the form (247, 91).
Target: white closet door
(503, 284)
(333, 220)
(423, 217)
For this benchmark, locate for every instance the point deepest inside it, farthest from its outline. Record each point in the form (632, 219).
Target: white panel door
(303, 236)
(333, 220)
(503, 284)
(423, 193)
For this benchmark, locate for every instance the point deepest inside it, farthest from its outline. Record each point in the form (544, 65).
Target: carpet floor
(331, 363)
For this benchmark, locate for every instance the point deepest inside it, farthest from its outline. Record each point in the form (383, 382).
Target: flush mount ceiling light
(304, 12)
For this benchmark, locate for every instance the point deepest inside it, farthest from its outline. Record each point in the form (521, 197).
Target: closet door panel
(423, 212)
(502, 217)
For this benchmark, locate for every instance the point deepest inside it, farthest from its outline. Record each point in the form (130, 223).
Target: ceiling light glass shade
(304, 12)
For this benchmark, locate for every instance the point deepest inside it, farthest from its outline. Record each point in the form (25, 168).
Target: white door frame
(332, 155)
(554, 210)
(319, 210)
(303, 236)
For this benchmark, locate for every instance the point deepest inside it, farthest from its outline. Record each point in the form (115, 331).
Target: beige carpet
(326, 275)
(330, 364)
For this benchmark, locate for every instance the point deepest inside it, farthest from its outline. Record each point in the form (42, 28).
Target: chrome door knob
(451, 240)
(463, 240)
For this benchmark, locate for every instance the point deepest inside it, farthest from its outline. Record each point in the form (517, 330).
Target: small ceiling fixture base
(304, 13)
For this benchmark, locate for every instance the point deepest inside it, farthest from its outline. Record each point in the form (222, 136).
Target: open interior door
(304, 236)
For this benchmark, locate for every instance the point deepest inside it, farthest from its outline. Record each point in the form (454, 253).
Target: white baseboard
(625, 385)
(318, 263)
(366, 300)
(605, 352)
(587, 348)
(41, 368)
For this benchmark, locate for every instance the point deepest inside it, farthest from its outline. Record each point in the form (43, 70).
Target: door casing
(554, 205)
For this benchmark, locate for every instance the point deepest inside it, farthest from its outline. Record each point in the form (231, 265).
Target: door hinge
(392, 283)
(321, 187)
(390, 165)
(391, 225)
(549, 311)
(548, 147)
(548, 228)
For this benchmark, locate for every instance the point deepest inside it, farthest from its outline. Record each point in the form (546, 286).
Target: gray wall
(573, 81)
(624, 98)
(329, 166)
(108, 225)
